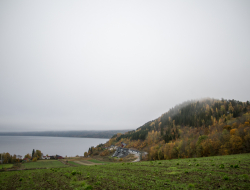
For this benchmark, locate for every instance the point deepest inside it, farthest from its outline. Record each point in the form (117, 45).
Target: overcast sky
(91, 65)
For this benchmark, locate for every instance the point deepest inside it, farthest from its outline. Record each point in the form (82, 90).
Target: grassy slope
(73, 163)
(97, 161)
(43, 164)
(5, 166)
(204, 173)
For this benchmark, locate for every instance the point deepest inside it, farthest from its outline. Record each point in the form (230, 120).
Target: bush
(177, 164)
(34, 159)
(104, 153)
(226, 177)
(190, 185)
(236, 166)
(67, 175)
(73, 172)
(95, 153)
(222, 166)
(245, 176)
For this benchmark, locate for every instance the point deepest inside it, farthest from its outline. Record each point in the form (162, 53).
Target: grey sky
(70, 65)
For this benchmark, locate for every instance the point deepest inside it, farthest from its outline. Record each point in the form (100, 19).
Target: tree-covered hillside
(194, 128)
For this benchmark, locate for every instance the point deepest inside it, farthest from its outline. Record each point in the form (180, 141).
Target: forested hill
(183, 130)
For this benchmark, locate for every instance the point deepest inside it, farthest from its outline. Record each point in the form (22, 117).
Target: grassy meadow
(219, 172)
(5, 166)
(43, 164)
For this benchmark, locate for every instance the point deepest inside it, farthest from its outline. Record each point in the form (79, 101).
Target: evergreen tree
(33, 152)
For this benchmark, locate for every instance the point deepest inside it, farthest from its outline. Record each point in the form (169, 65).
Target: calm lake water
(22, 145)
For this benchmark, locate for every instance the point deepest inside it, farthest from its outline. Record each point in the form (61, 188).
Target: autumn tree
(27, 156)
(85, 154)
(38, 154)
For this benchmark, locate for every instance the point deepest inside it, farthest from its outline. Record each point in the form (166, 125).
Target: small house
(123, 144)
(45, 157)
(26, 159)
(59, 157)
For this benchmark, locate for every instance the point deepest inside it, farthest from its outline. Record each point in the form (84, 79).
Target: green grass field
(5, 166)
(97, 161)
(220, 172)
(73, 163)
(43, 164)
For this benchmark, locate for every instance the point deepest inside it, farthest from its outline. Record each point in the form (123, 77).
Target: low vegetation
(189, 173)
(6, 166)
(43, 164)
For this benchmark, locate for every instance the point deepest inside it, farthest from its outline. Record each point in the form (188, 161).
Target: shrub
(226, 177)
(21, 179)
(245, 176)
(104, 153)
(88, 187)
(98, 183)
(190, 185)
(222, 166)
(74, 178)
(236, 166)
(96, 153)
(73, 172)
(177, 164)
(34, 159)
(67, 175)
(197, 164)
(231, 166)
(186, 172)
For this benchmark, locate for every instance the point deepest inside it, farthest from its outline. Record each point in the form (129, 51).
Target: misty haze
(110, 65)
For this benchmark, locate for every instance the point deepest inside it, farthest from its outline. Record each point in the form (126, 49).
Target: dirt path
(138, 157)
(87, 163)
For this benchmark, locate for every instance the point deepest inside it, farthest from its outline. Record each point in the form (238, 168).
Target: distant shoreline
(75, 134)
(50, 136)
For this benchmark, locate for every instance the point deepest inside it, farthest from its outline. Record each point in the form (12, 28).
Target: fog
(100, 65)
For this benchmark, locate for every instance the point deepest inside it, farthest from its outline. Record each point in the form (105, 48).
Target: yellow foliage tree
(34, 159)
(233, 131)
(236, 143)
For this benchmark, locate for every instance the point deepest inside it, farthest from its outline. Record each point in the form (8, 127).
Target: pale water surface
(21, 145)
